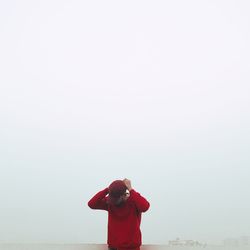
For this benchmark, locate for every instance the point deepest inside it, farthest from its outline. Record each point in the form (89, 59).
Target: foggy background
(154, 91)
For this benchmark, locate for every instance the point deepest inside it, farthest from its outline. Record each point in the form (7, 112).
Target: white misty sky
(155, 91)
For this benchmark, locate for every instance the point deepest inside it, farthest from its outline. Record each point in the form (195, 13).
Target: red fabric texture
(116, 190)
(123, 220)
(136, 248)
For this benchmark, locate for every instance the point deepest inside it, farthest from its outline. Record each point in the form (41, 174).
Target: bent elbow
(91, 205)
(146, 207)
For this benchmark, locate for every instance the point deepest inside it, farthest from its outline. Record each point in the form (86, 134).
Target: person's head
(117, 192)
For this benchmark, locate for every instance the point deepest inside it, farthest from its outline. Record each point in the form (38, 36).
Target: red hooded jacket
(123, 220)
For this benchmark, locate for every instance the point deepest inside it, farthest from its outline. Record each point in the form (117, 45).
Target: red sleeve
(141, 203)
(98, 201)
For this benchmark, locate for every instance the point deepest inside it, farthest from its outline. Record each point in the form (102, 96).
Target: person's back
(124, 206)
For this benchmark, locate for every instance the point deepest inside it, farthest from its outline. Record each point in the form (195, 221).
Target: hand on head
(127, 182)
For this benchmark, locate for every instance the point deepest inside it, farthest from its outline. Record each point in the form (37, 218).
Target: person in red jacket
(124, 206)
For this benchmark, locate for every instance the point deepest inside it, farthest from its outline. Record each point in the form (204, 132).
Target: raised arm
(98, 201)
(141, 203)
